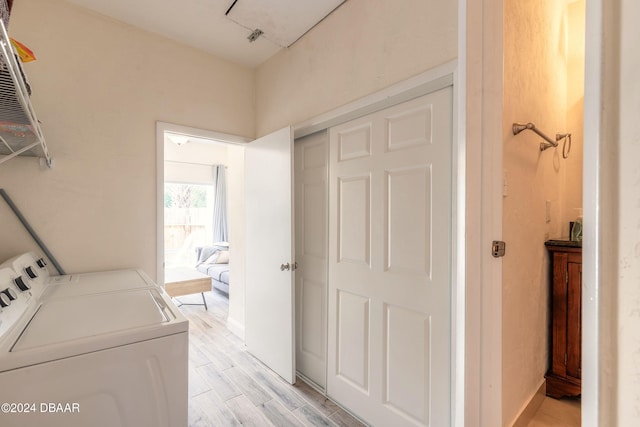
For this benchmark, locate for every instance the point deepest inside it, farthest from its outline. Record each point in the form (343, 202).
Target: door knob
(288, 266)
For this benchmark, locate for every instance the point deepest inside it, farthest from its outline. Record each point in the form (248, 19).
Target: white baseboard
(236, 327)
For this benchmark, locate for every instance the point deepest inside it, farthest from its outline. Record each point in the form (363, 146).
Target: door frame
(480, 32)
(480, 52)
(445, 75)
(599, 308)
(161, 128)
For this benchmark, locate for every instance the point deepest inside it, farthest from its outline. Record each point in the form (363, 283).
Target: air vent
(280, 21)
(255, 34)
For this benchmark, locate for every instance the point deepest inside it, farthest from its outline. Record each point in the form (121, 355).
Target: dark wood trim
(558, 387)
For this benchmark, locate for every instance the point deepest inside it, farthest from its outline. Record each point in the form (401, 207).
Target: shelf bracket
(20, 151)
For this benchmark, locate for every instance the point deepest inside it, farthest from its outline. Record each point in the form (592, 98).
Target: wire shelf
(20, 133)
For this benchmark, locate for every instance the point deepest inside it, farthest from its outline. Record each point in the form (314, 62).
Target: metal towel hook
(566, 148)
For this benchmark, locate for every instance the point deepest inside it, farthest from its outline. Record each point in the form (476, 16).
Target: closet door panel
(354, 220)
(353, 350)
(311, 255)
(390, 196)
(407, 362)
(408, 218)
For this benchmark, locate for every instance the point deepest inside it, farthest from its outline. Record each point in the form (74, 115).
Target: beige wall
(575, 21)
(192, 162)
(611, 333)
(628, 209)
(196, 151)
(364, 46)
(235, 202)
(539, 65)
(99, 87)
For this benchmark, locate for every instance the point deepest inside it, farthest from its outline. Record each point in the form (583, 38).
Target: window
(188, 222)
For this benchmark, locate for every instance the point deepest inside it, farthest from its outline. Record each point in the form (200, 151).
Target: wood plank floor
(557, 413)
(229, 387)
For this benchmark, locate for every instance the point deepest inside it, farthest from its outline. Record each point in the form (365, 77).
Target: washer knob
(21, 284)
(10, 293)
(41, 263)
(30, 272)
(4, 300)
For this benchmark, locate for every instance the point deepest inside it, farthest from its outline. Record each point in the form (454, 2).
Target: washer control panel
(31, 272)
(22, 280)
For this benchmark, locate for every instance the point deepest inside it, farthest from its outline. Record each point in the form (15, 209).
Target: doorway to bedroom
(196, 195)
(202, 172)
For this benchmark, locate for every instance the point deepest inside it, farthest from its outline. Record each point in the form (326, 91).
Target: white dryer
(93, 349)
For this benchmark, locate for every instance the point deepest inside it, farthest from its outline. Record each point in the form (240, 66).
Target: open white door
(269, 288)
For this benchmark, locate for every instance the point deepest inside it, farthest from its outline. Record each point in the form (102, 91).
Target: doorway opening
(544, 58)
(200, 212)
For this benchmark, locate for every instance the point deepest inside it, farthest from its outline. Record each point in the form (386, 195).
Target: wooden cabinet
(565, 364)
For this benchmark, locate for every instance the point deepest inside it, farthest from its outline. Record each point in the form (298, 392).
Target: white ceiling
(204, 25)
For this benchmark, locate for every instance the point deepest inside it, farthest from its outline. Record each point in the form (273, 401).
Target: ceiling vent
(255, 34)
(280, 21)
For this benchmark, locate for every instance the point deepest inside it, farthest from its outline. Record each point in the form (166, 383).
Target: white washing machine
(95, 349)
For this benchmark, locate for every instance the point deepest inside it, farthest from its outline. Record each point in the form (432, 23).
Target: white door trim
(422, 84)
(593, 266)
(431, 80)
(481, 52)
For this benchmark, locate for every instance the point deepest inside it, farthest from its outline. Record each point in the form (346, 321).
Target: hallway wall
(362, 47)
(622, 140)
(99, 86)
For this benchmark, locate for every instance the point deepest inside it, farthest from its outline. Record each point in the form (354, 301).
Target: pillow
(223, 257)
(212, 259)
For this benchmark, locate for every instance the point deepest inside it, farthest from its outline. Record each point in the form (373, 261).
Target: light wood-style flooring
(557, 413)
(229, 387)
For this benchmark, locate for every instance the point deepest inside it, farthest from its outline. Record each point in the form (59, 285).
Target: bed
(214, 262)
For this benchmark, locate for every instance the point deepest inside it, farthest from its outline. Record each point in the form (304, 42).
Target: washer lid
(93, 283)
(74, 318)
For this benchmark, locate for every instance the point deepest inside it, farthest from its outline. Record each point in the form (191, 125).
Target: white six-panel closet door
(390, 221)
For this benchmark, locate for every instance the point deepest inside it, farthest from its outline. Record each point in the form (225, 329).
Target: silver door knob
(284, 267)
